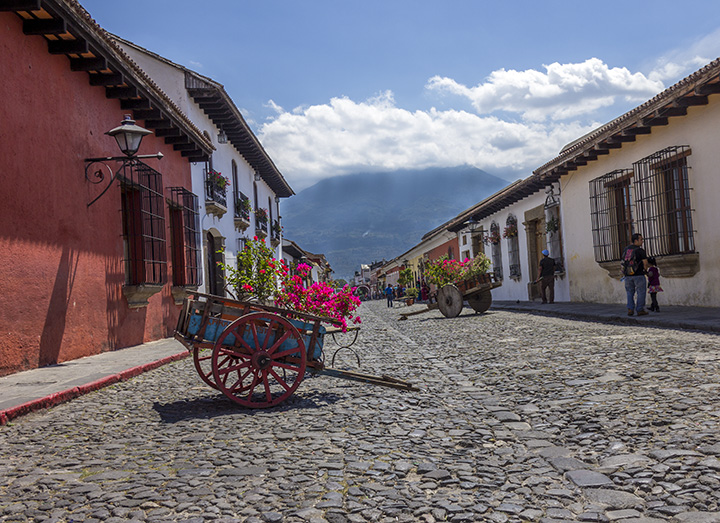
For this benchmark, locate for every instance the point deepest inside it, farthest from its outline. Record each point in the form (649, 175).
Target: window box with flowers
(261, 220)
(243, 208)
(493, 238)
(511, 231)
(216, 186)
(276, 230)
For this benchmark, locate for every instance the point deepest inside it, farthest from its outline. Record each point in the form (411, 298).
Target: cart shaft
(384, 381)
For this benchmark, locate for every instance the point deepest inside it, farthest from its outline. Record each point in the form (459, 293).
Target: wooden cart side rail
(237, 305)
(482, 288)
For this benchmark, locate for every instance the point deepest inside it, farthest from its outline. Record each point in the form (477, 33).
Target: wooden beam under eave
(184, 147)
(194, 152)
(20, 5)
(135, 103)
(672, 110)
(177, 139)
(106, 79)
(654, 120)
(158, 123)
(709, 88)
(633, 131)
(67, 46)
(687, 101)
(621, 138)
(146, 114)
(171, 131)
(121, 92)
(96, 63)
(44, 26)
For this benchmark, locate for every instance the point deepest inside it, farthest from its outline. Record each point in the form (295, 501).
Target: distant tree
(339, 283)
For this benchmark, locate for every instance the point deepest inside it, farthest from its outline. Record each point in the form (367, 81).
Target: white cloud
(679, 63)
(563, 91)
(345, 136)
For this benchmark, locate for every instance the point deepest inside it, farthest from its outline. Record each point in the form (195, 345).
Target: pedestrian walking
(653, 274)
(634, 269)
(389, 295)
(547, 278)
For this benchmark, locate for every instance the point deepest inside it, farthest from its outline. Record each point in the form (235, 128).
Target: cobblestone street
(521, 418)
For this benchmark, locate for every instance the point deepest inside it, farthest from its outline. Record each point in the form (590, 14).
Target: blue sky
(335, 87)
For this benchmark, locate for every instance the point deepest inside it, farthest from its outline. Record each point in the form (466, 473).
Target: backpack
(630, 263)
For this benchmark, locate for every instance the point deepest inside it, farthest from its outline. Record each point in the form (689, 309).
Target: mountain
(364, 217)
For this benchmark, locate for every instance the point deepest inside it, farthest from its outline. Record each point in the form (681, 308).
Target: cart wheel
(259, 360)
(450, 301)
(480, 302)
(203, 363)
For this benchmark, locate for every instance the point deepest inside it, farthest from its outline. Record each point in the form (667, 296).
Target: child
(653, 283)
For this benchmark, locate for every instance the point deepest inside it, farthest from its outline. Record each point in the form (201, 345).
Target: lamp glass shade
(128, 136)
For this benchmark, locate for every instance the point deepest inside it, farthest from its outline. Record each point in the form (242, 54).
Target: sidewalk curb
(66, 395)
(616, 318)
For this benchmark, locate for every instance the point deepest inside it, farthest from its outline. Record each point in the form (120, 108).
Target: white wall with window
(513, 238)
(663, 185)
(246, 208)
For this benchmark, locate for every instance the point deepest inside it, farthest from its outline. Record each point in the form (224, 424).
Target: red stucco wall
(442, 250)
(61, 268)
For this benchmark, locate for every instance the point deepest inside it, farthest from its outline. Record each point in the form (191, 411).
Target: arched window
(511, 234)
(496, 253)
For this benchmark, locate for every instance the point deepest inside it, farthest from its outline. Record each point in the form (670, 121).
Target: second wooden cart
(450, 298)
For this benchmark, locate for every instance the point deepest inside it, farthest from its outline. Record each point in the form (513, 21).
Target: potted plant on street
(411, 295)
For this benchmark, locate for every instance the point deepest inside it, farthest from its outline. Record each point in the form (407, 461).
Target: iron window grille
(662, 192)
(496, 252)
(186, 245)
(215, 190)
(143, 214)
(612, 213)
(513, 247)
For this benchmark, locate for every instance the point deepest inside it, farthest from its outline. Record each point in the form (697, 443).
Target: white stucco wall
(171, 80)
(698, 129)
(514, 289)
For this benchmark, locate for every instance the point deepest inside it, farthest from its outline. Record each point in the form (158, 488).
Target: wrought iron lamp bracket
(97, 175)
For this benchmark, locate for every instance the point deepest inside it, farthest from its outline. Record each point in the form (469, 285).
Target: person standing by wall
(634, 269)
(547, 278)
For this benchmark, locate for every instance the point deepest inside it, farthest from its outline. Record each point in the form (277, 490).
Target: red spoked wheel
(202, 358)
(259, 360)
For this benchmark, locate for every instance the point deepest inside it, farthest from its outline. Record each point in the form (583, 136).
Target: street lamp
(128, 137)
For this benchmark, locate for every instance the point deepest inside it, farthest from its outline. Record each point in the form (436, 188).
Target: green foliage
(411, 292)
(256, 274)
(405, 277)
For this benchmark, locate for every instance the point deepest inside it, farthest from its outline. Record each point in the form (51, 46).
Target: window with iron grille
(511, 233)
(496, 250)
(143, 216)
(186, 246)
(662, 194)
(612, 213)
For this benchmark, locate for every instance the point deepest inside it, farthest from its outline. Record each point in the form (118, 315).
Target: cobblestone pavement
(523, 418)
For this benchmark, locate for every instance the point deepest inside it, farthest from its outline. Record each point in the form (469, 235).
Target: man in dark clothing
(636, 283)
(547, 278)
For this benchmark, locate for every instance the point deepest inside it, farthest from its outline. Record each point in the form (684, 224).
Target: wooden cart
(476, 291)
(258, 355)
